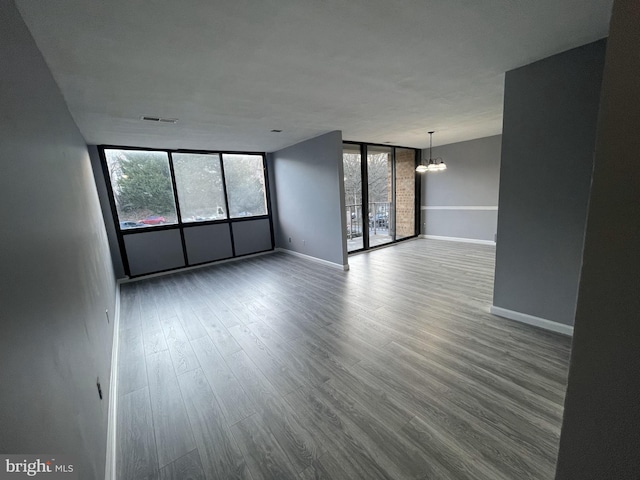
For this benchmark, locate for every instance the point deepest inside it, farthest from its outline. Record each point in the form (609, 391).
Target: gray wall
(252, 236)
(601, 427)
(309, 199)
(471, 180)
(548, 139)
(150, 252)
(208, 243)
(57, 278)
(101, 186)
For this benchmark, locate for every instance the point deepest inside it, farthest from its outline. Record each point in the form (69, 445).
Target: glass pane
(352, 163)
(245, 185)
(380, 190)
(405, 193)
(199, 185)
(142, 189)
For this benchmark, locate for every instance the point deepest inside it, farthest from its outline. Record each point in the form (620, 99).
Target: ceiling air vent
(158, 119)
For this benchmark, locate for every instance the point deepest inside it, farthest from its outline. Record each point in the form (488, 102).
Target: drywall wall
(103, 195)
(548, 140)
(601, 428)
(252, 236)
(154, 251)
(463, 200)
(208, 243)
(309, 199)
(57, 279)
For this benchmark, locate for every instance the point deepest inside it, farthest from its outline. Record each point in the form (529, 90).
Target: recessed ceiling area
(233, 71)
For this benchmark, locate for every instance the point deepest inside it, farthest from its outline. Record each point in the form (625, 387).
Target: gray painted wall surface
(548, 140)
(150, 252)
(103, 195)
(471, 179)
(57, 277)
(208, 243)
(252, 236)
(472, 224)
(308, 179)
(601, 428)
(273, 198)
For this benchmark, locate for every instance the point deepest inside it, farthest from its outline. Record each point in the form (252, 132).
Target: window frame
(180, 224)
(109, 182)
(224, 187)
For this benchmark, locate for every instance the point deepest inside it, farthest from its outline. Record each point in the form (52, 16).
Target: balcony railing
(377, 219)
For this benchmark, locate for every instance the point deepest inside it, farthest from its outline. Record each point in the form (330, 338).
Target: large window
(199, 185)
(209, 186)
(244, 175)
(142, 190)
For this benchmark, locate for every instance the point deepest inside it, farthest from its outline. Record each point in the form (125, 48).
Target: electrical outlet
(289, 239)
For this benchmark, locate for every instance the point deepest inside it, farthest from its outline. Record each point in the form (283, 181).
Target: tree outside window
(244, 175)
(141, 182)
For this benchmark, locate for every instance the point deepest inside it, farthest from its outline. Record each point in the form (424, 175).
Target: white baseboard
(531, 320)
(112, 446)
(459, 239)
(314, 259)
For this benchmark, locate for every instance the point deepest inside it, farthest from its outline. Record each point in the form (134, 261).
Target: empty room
(320, 240)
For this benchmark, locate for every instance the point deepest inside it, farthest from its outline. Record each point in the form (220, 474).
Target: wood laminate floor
(277, 367)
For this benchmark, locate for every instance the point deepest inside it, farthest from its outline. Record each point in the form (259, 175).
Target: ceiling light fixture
(434, 164)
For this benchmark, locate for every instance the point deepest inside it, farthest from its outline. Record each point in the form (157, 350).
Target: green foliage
(245, 184)
(144, 183)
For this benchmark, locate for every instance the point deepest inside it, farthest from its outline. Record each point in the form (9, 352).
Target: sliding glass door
(380, 188)
(356, 223)
(380, 194)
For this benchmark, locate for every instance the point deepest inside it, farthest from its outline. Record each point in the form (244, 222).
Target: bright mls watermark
(51, 467)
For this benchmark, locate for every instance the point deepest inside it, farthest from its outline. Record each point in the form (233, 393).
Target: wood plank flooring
(274, 367)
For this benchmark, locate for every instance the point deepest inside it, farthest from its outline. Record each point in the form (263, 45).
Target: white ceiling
(231, 71)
